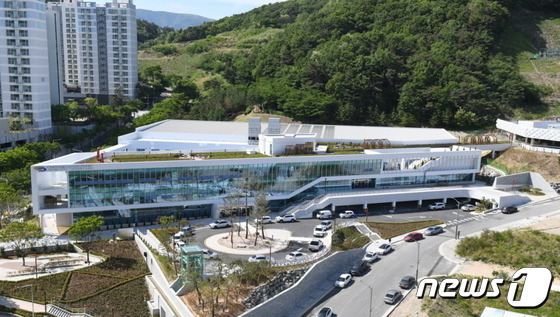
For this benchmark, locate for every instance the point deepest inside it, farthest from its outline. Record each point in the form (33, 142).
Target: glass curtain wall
(155, 185)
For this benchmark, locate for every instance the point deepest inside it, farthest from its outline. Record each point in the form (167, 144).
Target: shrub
(165, 50)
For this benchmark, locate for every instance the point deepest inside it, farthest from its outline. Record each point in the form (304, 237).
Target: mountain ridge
(171, 19)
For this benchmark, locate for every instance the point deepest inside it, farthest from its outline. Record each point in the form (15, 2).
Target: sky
(214, 9)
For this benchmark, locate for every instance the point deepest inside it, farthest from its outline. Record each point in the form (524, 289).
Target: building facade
(99, 46)
(188, 185)
(24, 66)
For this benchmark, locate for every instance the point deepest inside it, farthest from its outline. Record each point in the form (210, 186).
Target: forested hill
(376, 62)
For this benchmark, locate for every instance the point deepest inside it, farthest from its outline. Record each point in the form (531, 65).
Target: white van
(324, 214)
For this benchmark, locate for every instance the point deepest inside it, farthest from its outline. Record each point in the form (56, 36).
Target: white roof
(192, 130)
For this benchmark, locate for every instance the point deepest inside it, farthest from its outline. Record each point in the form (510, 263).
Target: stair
(59, 312)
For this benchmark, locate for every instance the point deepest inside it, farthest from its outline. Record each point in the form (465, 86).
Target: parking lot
(303, 228)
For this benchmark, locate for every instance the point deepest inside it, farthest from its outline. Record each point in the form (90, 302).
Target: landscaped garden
(388, 230)
(115, 287)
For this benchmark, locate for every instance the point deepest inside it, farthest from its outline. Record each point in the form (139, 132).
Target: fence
(539, 149)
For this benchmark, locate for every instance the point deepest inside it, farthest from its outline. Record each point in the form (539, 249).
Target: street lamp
(370, 298)
(32, 299)
(417, 260)
(457, 220)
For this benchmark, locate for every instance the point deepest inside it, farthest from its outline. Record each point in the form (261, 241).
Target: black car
(509, 210)
(407, 282)
(359, 268)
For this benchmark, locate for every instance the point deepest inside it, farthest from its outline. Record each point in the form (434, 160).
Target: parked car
(509, 210)
(260, 258)
(209, 254)
(188, 230)
(286, 218)
(468, 207)
(347, 214)
(433, 230)
(413, 236)
(315, 245)
(435, 206)
(325, 312)
(319, 231)
(392, 296)
(384, 248)
(295, 256)
(265, 220)
(343, 280)
(324, 214)
(407, 282)
(370, 257)
(178, 236)
(220, 224)
(179, 244)
(327, 224)
(359, 268)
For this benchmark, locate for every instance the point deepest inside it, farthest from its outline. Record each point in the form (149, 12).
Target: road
(386, 273)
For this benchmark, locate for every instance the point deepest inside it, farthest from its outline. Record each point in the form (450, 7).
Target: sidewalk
(21, 304)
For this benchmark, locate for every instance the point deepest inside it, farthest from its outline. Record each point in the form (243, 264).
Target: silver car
(433, 230)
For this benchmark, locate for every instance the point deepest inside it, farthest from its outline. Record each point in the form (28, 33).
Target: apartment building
(24, 68)
(99, 46)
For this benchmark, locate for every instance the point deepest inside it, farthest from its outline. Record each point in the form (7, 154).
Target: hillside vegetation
(384, 62)
(517, 160)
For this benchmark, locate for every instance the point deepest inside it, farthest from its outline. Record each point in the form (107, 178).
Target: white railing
(539, 149)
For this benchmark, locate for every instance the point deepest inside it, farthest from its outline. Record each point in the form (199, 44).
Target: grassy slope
(187, 65)
(518, 160)
(526, 33)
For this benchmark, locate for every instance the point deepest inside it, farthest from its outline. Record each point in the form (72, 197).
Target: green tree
(9, 201)
(261, 210)
(85, 230)
(23, 236)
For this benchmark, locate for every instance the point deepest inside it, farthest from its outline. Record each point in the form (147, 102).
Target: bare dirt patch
(517, 160)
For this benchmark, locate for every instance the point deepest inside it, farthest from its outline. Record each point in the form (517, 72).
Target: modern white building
(24, 66)
(535, 135)
(99, 46)
(126, 185)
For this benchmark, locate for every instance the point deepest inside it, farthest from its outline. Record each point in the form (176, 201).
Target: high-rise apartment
(24, 66)
(99, 46)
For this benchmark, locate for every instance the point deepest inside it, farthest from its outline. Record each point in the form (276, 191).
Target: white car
(327, 224)
(209, 254)
(468, 207)
(179, 244)
(320, 231)
(286, 218)
(435, 206)
(347, 214)
(220, 224)
(315, 245)
(370, 257)
(343, 280)
(295, 256)
(265, 219)
(260, 258)
(384, 248)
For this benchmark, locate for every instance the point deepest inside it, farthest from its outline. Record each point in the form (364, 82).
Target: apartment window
(24, 42)
(28, 115)
(23, 33)
(22, 24)
(11, 42)
(25, 61)
(26, 88)
(26, 70)
(12, 61)
(14, 88)
(28, 106)
(14, 97)
(13, 79)
(10, 23)
(27, 98)
(12, 51)
(26, 79)
(24, 52)
(15, 106)
(10, 32)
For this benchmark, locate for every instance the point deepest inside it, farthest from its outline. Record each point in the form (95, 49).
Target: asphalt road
(386, 273)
